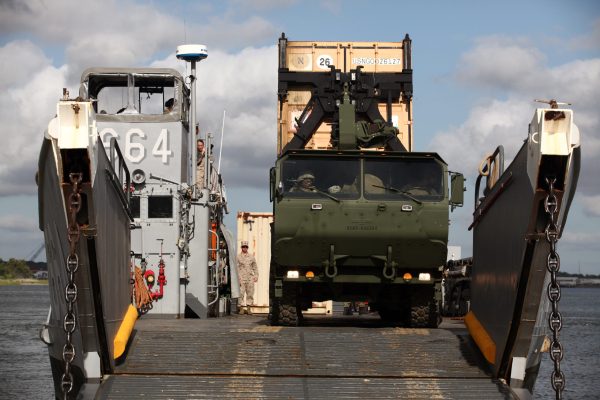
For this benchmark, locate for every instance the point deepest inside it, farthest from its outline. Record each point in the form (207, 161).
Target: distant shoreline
(580, 286)
(23, 282)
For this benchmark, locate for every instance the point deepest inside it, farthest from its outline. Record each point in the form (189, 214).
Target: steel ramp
(243, 358)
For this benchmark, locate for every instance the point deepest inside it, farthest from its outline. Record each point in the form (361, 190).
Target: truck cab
(360, 225)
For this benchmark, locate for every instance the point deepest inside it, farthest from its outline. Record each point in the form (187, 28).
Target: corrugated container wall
(317, 57)
(254, 227)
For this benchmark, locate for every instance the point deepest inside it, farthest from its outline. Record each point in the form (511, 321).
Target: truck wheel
(288, 315)
(284, 310)
(284, 314)
(425, 316)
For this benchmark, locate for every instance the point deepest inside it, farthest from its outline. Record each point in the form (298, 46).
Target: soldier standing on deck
(200, 164)
(248, 275)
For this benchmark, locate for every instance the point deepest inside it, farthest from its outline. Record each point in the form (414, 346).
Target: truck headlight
(293, 274)
(424, 276)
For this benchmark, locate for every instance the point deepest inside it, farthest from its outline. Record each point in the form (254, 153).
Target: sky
(477, 67)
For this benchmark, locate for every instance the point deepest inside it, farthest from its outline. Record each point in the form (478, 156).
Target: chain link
(553, 264)
(70, 320)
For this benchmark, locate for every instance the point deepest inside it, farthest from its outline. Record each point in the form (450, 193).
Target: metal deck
(242, 357)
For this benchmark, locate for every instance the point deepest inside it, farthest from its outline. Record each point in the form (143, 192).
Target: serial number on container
(373, 61)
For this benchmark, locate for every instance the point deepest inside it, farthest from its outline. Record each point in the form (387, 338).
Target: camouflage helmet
(306, 175)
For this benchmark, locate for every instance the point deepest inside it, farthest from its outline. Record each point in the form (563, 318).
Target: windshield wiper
(314, 189)
(393, 189)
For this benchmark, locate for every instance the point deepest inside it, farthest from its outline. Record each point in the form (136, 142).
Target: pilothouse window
(134, 206)
(160, 207)
(137, 93)
(146, 100)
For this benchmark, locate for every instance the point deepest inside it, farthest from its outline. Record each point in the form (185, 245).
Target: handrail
(117, 173)
(496, 158)
(217, 265)
(122, 167)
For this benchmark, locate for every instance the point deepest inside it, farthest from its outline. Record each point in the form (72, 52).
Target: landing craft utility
(120, 203)
(130, 233)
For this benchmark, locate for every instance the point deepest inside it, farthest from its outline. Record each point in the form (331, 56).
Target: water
(24, 364)
(25, 369)
(580, 337)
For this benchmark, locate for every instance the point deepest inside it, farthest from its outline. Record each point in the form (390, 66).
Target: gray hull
(510, 252)
(102, 279)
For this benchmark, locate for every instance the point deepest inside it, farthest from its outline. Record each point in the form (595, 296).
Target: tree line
(18, 269)
(14, 269)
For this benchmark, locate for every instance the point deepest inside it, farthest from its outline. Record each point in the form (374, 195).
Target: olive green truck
(358, 215)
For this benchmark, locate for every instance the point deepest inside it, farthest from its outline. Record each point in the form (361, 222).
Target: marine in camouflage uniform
(248, 275)
(200, 167)
(304, 183)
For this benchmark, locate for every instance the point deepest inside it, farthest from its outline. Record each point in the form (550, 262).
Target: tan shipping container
(317, 57)
(255, 228)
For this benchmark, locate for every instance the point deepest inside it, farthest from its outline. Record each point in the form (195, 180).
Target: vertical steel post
(193, 138)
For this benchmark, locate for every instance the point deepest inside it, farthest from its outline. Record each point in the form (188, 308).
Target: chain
(553, 265)
(70, 321)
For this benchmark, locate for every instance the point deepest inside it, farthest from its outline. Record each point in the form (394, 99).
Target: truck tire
(284, 310)
(288, 315)
(425, 316)
(284, 314)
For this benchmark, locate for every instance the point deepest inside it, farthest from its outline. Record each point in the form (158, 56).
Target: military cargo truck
(357, 216)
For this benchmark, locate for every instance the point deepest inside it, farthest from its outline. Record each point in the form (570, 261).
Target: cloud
(591, 205)
(227, 33)
(490, 123)
(27, 105)
(245, 85)
(131, 34)
(500, 62)
(513, 69)
(590, 41)
(60, 21)
(580, 240)
(20, 235)
(262, 4)
(17, 224)
(19, 60)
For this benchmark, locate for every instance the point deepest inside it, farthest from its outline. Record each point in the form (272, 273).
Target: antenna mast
(192, 53)
(221, 145)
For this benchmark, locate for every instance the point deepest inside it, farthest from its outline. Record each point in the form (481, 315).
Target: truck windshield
(321, 178)
(401, 179)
